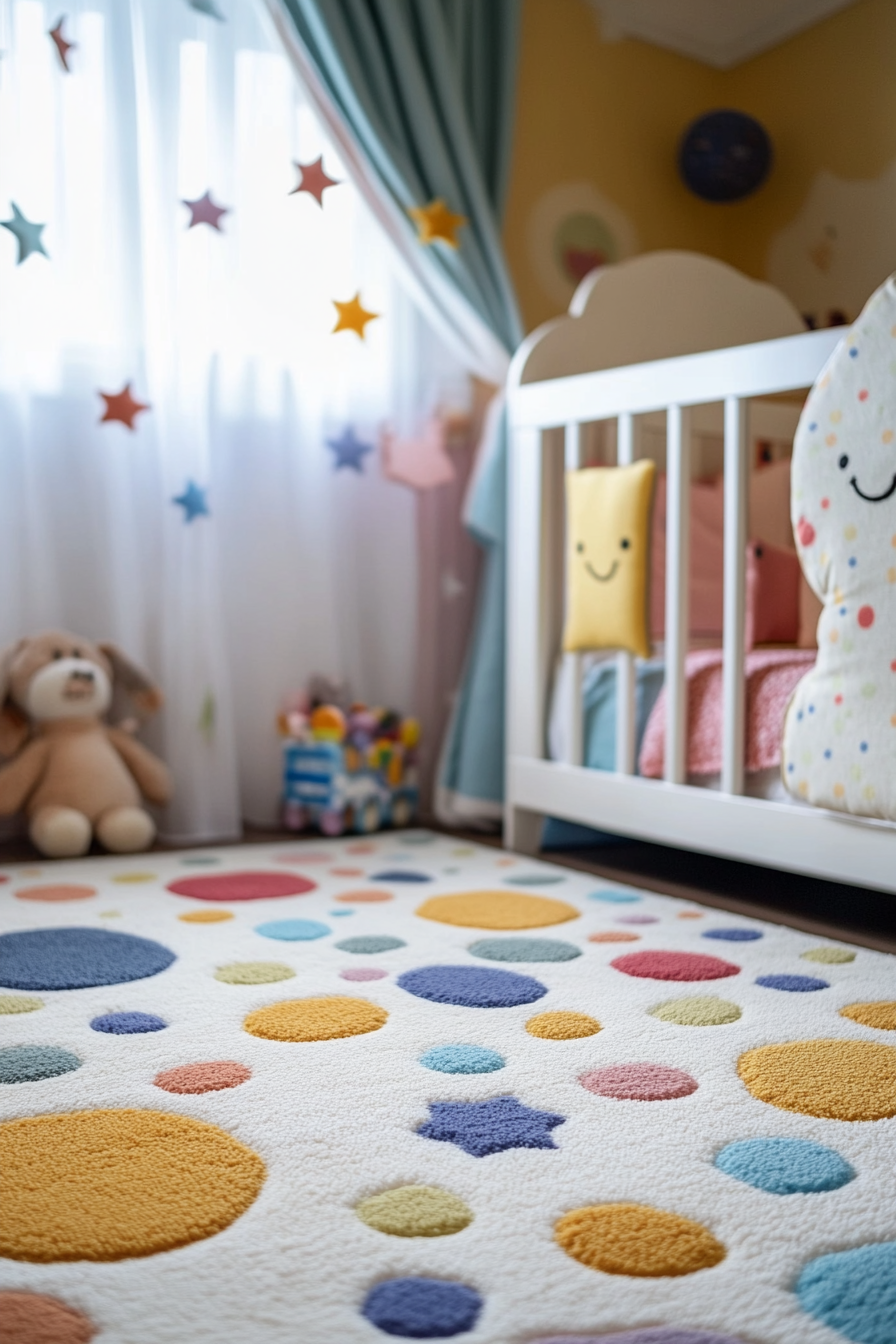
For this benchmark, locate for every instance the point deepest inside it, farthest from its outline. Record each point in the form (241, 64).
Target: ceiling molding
(720, 33)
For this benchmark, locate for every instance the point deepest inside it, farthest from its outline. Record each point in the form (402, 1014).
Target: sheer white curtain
(298, 567)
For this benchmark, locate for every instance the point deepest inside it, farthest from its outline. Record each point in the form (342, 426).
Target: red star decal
(122, 407)
(314, 180)
(204, 211)
(62, 46)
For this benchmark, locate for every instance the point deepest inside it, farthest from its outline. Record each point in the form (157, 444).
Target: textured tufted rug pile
(406, 1088)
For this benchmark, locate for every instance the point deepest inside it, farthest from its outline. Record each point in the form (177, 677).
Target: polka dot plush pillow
(840, 734)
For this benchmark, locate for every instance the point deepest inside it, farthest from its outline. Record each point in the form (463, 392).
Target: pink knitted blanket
(771, 675)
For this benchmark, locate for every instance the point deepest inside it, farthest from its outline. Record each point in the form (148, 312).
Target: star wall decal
(27, 234)
(436, 223)
(484, 1127)
(314, 180)
(352, 317)
(350, 451)
(207, 7)
(421, 460)
(204, 211)
(63, 47)
(122, 407)
(193, 502)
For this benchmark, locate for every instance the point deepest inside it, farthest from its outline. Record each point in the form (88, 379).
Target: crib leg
(522, 829)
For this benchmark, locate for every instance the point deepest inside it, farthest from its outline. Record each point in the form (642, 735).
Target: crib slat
(573, 448)
(625, 664)
(736, 495)
(678, 521)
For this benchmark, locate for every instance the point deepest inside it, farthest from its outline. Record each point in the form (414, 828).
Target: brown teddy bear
(73, 775)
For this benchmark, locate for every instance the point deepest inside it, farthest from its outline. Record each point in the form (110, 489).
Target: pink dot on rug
(298, 857)
(3, 879)
(364, 897)
(637, 919)
(66, 892)
(347, 872)
(674, 966)
(242, 886)
(614, 936)
(639, 1082)
(363, 973)
(213, 1076)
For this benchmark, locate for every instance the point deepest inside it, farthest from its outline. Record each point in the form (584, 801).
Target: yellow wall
(612, 113)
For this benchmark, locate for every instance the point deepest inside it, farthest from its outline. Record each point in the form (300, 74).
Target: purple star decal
(350, 451)
(483, 1127)
(204, 211)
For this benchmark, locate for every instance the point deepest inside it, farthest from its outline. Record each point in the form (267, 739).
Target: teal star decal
(26, 233)
(207, 7)
(350, 451)
(192, 501)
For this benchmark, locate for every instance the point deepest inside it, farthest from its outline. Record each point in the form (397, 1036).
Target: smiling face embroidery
(854, 482)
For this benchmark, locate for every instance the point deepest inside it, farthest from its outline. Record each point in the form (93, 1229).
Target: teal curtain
(427, 89)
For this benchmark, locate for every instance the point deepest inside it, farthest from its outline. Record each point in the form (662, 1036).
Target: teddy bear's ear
(13, 723)
(132, 679)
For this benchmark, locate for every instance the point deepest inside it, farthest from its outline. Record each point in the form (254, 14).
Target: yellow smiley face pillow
(608, 557)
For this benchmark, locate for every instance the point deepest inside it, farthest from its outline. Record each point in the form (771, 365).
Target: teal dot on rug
(536, 879)
(614, 897)
(199, 859)
(853, 1292)
(340, 914)
(293, 930)
(372, 942)
(31, 1063)
(785, 1166)
(462, 1059)
(524, 949)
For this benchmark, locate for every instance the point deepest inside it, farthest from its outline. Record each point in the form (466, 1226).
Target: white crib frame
(799, 839)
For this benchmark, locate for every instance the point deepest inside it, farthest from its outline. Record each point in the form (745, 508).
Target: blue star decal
(350, 451)
(27, 234)
(193, 502)
(483, 1127)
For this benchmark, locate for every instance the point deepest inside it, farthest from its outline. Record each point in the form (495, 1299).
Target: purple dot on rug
(77, 958)
(363, 973)
(639, 1082)
(637, 919)
(422, 1308)
(128, 1024)
(733, 935)
(793, 984)
(653, 1334)
(472, 986)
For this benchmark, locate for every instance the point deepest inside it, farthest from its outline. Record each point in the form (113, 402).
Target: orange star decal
(121, 406)
(436, 223)
(352, 316)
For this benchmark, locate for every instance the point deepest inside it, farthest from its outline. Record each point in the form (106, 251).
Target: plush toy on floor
(72, 774)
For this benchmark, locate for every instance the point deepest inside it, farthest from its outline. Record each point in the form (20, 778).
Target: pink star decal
(62, 46)
(314, 180)
(204, 211)
(422, 461)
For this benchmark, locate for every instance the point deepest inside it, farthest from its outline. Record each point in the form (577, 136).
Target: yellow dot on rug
(497, 910)
(318, 1019)
(880, 1015)
(562, 1026)
(135, 877)
(415, 1211)
(833, 1080)
(829, 956)
(111, 1185)
(205, 916)
(637, 1240)
(254, 972)
(19, 1003)
(697, 1010)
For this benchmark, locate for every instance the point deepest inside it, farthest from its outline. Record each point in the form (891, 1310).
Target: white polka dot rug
(341, 1092)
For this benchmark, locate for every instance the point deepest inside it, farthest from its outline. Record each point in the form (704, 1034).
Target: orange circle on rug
(62, 892)
(497, 910)
(120, 1184)
(205, 916)
(242, 886)
(637, 1240)
(562, 1026)
(213, 1076)
(34, 1318)
(833, 1080)
(614, 937)
(880, 1015)
(364, 897)
(318, 1019)
(347, 872)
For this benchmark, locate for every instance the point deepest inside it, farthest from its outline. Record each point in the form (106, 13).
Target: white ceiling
(718, 32)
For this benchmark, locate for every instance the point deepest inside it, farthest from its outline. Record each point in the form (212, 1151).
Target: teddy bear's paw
(60, 832)
(125, 830)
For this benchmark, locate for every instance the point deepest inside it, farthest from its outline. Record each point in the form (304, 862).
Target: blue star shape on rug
(483, 1127)
(193, 502)
(26, 233)
(350, 451)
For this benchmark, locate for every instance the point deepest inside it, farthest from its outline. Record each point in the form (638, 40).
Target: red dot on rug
(66, 892)
(242, 886)
(212, 1076)
(674, 966)
(639, 1082)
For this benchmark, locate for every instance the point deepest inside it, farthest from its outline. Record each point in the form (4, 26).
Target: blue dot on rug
(77, 958)
(793, 984)
(785, 1166)
(31, 1063)
(733, 935)
(400, 875)
(472, 986)
(651, 1334)
(128, 1024)
(484, 1127)
(371, 942)
(853, 1292)
(294, 930)
(614, 897)
(462, 1059)
(524, 949)
(422, 1308)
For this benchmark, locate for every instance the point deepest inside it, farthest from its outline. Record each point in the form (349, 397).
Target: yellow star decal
(352, 316)
(436, 223)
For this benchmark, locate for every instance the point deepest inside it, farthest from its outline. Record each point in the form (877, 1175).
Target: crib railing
(547, 420)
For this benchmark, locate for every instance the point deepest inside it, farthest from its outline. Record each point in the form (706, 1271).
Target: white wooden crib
(690, 337)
